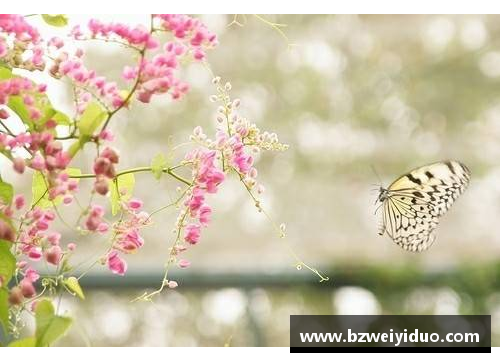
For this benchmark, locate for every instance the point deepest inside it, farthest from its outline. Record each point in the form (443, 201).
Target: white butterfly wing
(415, 202)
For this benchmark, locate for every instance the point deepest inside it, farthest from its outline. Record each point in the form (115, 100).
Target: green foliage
(16, 104)
(122, 188)
(7, 261)
(57, 20)
(7, 268)
(5, 72)
(49, 327)
(91, 119)
(158, 163)
(25, 342)
(39, 189)
(4, 309)
(6, 192)
(42, 103)
(73, 285)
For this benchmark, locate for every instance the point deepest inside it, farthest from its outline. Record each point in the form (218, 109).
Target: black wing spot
(450, 166)
(418, 194)
(429, 174)
(414, 179)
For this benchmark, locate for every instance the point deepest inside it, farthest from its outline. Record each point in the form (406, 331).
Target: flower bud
(19, 164)
(27, 288)
(110, 154)
(101, 165)
(4, 114)
(6, 232)
(172, 284)
(53, 255)
(183, 263)
(16, 296)
(101, 186)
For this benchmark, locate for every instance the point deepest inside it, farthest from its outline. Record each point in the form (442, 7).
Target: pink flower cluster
(17, 86)
(127, 238)
(95, 221)
(48, 157)
(36, 242)
(192, 31)
(104, 169)
(86, 80)
(15, 27)
(157, 76)
(25, 289)
(207, 178)
(138, 36)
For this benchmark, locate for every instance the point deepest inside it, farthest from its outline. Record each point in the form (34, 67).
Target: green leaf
(25, 342)
(158, 163)
(5, 72)
(122, 188)
(61, 119)
(4, 310)
(57, 20)
(6, 192)
(73, 285)
(42, 103)
(91, 118)
(49, 327)
(7, 261)
(39, 189)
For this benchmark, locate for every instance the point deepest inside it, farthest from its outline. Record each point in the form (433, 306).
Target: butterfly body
(413, 203)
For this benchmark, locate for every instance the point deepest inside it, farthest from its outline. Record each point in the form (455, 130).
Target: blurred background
(353, 94)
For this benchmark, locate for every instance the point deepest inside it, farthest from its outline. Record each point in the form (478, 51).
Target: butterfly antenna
(376, 174)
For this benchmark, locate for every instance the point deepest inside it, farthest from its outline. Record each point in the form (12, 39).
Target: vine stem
(168, 170)
(142, 54)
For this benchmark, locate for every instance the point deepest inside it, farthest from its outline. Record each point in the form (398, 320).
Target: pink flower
(54, 238)
(135, 204)
(192, 233)
(71, 246)
(35, 253)
(172, 284)
(19, 201)
(31, 274)
(131, 240)
(183, 263)
(27, 288)
(53, 255)
(38, 163)
(19, 165)
(196, 200)
(103, 227)
(205, 212)
(116, 264)
(106, 135)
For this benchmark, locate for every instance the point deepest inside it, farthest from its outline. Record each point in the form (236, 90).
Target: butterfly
(413, 204)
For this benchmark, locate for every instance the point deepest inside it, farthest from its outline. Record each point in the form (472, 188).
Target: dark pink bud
(27, 288)
(110, 154)
(53, 255)
(16, 296)
(101, 186)
(19, 165)
(101, 165)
